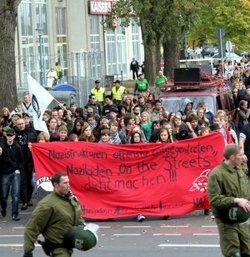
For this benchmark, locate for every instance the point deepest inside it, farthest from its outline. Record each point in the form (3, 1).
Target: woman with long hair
(165, 136)
(202, 120)
(136, 138)
(146, 124)
(53, 125)
(176, 124)
(87, 133)
(77, 128)
(127, 103)
(4, 117)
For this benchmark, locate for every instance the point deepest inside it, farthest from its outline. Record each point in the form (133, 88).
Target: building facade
(71, 33)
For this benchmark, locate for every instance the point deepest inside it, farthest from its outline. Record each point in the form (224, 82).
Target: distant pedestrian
(51, 78)
(141, 85)
(12, 162)
(134, 67)
(58, 69)
(142, 66)
(27, 104)
(160, 79)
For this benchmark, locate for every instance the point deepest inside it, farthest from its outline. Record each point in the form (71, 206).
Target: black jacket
(11, 158)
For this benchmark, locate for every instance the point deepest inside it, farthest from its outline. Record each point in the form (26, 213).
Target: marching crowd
(119, 117)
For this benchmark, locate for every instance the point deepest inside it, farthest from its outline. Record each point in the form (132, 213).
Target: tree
(8, 24)
(127, 11)
(229, 15)
(163, 23)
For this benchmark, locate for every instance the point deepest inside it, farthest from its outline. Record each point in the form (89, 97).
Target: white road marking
(169, 226)
(104, 226)
(11, 235)
(166, 234)
(136, 227)
(209, 226)
(191, 245)
(205, 234)
(16, 228)
(126, 234)
(16, 245)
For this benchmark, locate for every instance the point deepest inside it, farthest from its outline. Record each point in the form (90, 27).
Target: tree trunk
(171, 56)
(151, 49)
(8, 23)
(150, 62)
(158, 54)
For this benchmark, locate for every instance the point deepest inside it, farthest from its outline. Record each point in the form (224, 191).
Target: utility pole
(220, 34)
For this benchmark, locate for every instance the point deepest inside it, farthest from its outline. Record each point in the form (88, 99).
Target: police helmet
(235, 215)
(81, 237)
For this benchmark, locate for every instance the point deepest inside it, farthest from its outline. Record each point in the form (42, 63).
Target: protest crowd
(118, 117)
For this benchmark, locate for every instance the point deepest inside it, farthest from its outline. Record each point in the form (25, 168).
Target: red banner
(125, 180)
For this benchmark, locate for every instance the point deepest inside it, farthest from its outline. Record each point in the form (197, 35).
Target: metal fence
(80, 69)
(86, 68)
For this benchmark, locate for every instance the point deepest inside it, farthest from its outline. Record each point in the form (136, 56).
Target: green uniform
(160, 81)
(225, 184)
(53, 217)
(141, 85)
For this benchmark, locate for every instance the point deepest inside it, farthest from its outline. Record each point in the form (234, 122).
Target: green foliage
(229, 15)
(165, 19)
(166, 22)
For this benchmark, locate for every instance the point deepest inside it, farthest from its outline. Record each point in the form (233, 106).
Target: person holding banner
(229, 195)
(24, 136)
(53, 217)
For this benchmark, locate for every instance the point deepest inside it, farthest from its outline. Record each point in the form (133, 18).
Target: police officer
(53, 217)
(99, 92)
(117, 92)
(228, 188)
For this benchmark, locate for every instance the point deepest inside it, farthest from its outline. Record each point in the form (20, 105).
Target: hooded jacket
(183, 133)
(183, 107)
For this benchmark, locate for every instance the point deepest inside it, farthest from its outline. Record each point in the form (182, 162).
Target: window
(116, 51)
(26, 18)
(95, 54)
(41, 17)
(135, 40)
(94, 32)
(61, 39)
(61, 21)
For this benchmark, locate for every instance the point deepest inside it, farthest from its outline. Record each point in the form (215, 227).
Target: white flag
(40, 99)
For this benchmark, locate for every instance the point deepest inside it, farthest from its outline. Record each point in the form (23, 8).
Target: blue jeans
(11, 181)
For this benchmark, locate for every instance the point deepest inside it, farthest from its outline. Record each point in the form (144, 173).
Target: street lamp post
(186, 49)
(41, 66)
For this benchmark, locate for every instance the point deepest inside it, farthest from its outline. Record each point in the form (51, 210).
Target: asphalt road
(193, 235)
